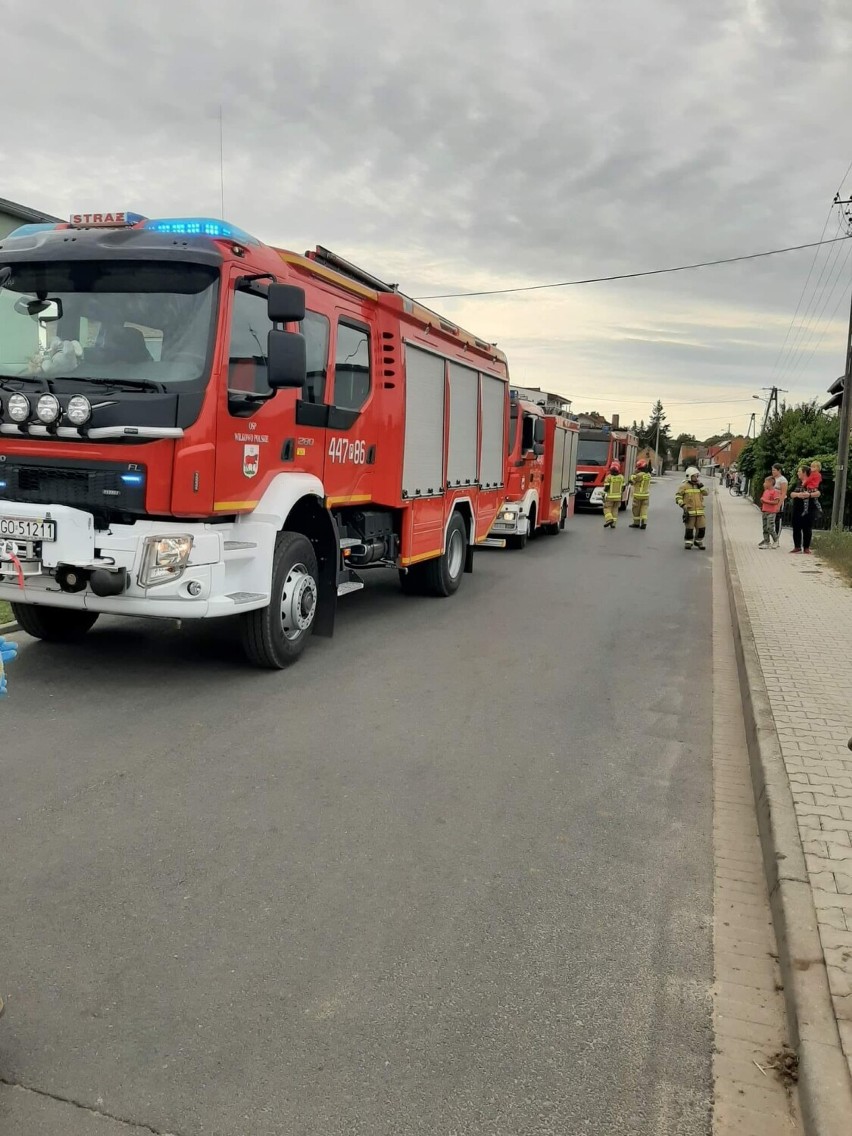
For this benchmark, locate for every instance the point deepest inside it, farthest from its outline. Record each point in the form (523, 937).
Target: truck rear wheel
(517, 542)
(444, 574)
(441, 576)
(53, 624)
(275, 636)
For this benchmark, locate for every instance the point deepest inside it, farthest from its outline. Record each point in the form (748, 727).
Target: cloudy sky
(461, 145)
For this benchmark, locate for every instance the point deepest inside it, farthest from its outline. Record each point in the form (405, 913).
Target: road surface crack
(138, 1125)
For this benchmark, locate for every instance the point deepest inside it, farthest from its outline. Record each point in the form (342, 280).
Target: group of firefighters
(689, 498)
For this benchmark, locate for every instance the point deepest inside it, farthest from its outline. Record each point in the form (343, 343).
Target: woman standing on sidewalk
(803, 513)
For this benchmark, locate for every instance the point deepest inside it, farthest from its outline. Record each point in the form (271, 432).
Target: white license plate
(24, 528)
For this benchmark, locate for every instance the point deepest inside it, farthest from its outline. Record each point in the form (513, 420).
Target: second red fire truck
(194, 425)
(541, 475)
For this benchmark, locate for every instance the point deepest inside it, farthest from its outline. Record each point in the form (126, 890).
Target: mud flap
(468, 559)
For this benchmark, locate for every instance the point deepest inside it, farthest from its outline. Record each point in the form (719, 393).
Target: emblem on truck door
(251, 458)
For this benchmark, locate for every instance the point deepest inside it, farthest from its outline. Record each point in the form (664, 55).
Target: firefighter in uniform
(613, 491)
(690, 497)
(641, 482)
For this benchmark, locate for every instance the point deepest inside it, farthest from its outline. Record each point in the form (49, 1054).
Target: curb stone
(825, 1085)
(8, 628)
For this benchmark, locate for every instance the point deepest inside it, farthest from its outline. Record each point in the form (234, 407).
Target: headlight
(164, 558)
(79, 410)
(47, 408)
(19, 408)
(508, 515)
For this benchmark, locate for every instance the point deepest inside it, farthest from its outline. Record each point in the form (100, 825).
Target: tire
(622, 507)
(275, 636)
(444, 574)
(518, 542)
(564, 517)
(551, 530)
(53, 624)
(532, 531)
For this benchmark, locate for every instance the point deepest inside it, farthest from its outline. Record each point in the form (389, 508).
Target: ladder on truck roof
(328, 259)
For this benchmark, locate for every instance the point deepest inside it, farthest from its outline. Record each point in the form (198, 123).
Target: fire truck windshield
(147, 324)
(592, 451)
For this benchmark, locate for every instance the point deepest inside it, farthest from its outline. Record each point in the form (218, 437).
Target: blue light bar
(201, 227)
(133, 478)
(25, 230)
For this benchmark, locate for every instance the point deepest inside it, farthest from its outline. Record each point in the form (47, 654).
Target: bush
(5, 613)
(836, 548)
(801, 434)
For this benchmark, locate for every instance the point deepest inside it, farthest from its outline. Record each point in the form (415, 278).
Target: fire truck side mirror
(286, 360)
(285, 303)
(538, 448)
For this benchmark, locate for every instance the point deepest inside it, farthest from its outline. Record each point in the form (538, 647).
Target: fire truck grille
(105, 489)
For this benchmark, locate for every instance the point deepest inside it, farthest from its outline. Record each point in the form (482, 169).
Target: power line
(794, 363)
(827, 327)
(632, 275)
(810, 315)
(675, 402)
(804, 287)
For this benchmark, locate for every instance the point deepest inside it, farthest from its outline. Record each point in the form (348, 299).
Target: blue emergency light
(133, 478)
(201, 227)
(26, 230)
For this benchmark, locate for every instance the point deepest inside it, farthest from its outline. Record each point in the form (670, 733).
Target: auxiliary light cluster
(46, 410)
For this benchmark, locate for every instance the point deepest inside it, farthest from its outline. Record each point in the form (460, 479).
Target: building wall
(7, 223)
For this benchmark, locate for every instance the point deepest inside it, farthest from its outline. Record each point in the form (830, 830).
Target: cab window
(351, 367)
(250, 327)
(315, 329)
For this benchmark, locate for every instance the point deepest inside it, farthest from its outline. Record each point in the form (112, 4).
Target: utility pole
(842, 465)
(751, 432)
(772, 400)
(657, 448)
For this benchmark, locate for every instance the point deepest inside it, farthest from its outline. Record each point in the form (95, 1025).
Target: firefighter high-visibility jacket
(614, 486)
(641, 482)
(691, 499)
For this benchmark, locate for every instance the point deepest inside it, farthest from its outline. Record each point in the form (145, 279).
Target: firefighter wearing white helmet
(690, 497)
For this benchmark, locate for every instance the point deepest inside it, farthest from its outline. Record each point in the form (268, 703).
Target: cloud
(477, 145)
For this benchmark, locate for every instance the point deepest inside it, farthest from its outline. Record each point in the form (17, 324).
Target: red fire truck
(598, 450)
(542, 473)
(194, 424)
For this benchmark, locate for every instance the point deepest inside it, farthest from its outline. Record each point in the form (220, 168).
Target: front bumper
(589, 497)
(212, 573)
(511, 521)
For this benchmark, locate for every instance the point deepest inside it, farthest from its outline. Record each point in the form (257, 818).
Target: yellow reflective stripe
(228, 506)
(357, 499)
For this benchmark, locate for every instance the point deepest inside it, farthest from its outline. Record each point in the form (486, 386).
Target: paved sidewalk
(801, 619)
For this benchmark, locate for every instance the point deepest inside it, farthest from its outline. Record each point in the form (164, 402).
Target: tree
(715, 439)
(648, 434)
(684, 440)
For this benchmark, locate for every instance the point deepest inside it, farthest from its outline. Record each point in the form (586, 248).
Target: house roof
(24, 213)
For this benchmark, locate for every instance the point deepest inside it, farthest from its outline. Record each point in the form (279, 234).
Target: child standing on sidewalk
(770, 503)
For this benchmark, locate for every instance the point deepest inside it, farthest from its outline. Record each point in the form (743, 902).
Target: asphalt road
(450, 874)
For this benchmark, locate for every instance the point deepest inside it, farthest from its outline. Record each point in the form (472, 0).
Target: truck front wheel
(275, 636)
(53, 624)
